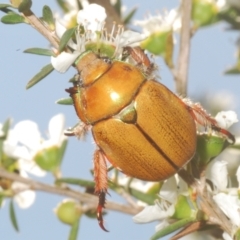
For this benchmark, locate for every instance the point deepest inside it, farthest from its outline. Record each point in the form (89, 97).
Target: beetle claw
(102, 198)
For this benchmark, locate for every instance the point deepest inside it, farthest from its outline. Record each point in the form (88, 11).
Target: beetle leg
(204, 119)
(79, 130)
(101, 181)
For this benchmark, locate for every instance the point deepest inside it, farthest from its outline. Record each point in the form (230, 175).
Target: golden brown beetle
(138, 124)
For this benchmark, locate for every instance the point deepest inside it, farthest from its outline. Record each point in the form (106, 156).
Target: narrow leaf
(63, 5)
(4, 5)
(13, 18)
(65, 38)
(129, 17)
(25, 6)
(171, 228)
(233, 70)
(5, 129)
(61, 151)
(65, 101)
(147, 198)
(76, 181)
(48, 17)
(118, 6)
(39, 76)
(39, 51)
(13, 216)
(74, 231)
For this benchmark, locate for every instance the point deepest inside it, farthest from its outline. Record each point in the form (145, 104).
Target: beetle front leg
(204, 119)
(101, 181)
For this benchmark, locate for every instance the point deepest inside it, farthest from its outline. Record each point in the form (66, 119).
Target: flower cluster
(22, 144)
(90, 31)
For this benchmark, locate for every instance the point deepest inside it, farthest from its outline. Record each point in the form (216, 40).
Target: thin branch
(181, 75)
(40, 27)
(83, 197)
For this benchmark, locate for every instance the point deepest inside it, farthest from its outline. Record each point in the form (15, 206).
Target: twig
(184, 49)
(40, 27)
(83, 197)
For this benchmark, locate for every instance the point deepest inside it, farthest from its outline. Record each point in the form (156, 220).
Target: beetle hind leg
(101, 181)
(204, 119)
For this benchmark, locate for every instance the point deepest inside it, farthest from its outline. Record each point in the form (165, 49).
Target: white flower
(24, 197)
(24, 142)
(230, 205)
(92, 19)
(218, 174)
(170, 21)
(1, 131)
(173, 187)
(159, 211)
(164, 208)
(225, 119)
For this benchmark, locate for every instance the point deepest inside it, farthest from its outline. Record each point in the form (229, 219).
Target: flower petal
(28, 133)
(168, 190)
(226, 118)
(31, 167)
(130, 38)
(25, 198)
(150, 213)
(92, 17)
(217, 172)
(230, 206)
(64, 61)
(56, 128)
(59, 29)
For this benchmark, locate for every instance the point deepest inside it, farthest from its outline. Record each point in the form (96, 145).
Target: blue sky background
(211, 53)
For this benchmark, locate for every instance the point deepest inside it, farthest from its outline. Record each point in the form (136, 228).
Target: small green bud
(48, 159)
(68, 211)
(204, 13)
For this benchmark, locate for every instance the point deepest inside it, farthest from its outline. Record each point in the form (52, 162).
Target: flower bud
(204, 13)
(68, 211)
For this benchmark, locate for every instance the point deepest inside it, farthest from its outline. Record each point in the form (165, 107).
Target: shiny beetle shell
(141, 127)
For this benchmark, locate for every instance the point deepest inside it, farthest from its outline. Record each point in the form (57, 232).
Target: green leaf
(5, 129)
(48, 17)
(65, 101)
(65, 38)
(147, 198)
(39, 51)
(118, 6)
(61, 151)
(74, 231)
(233, 70)
(39, 76)
(76, 181)
(25, 6)
(13, 216)
(13, 18)
(63, 5)
(173, 227)
(4, 5)
(127, 19)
